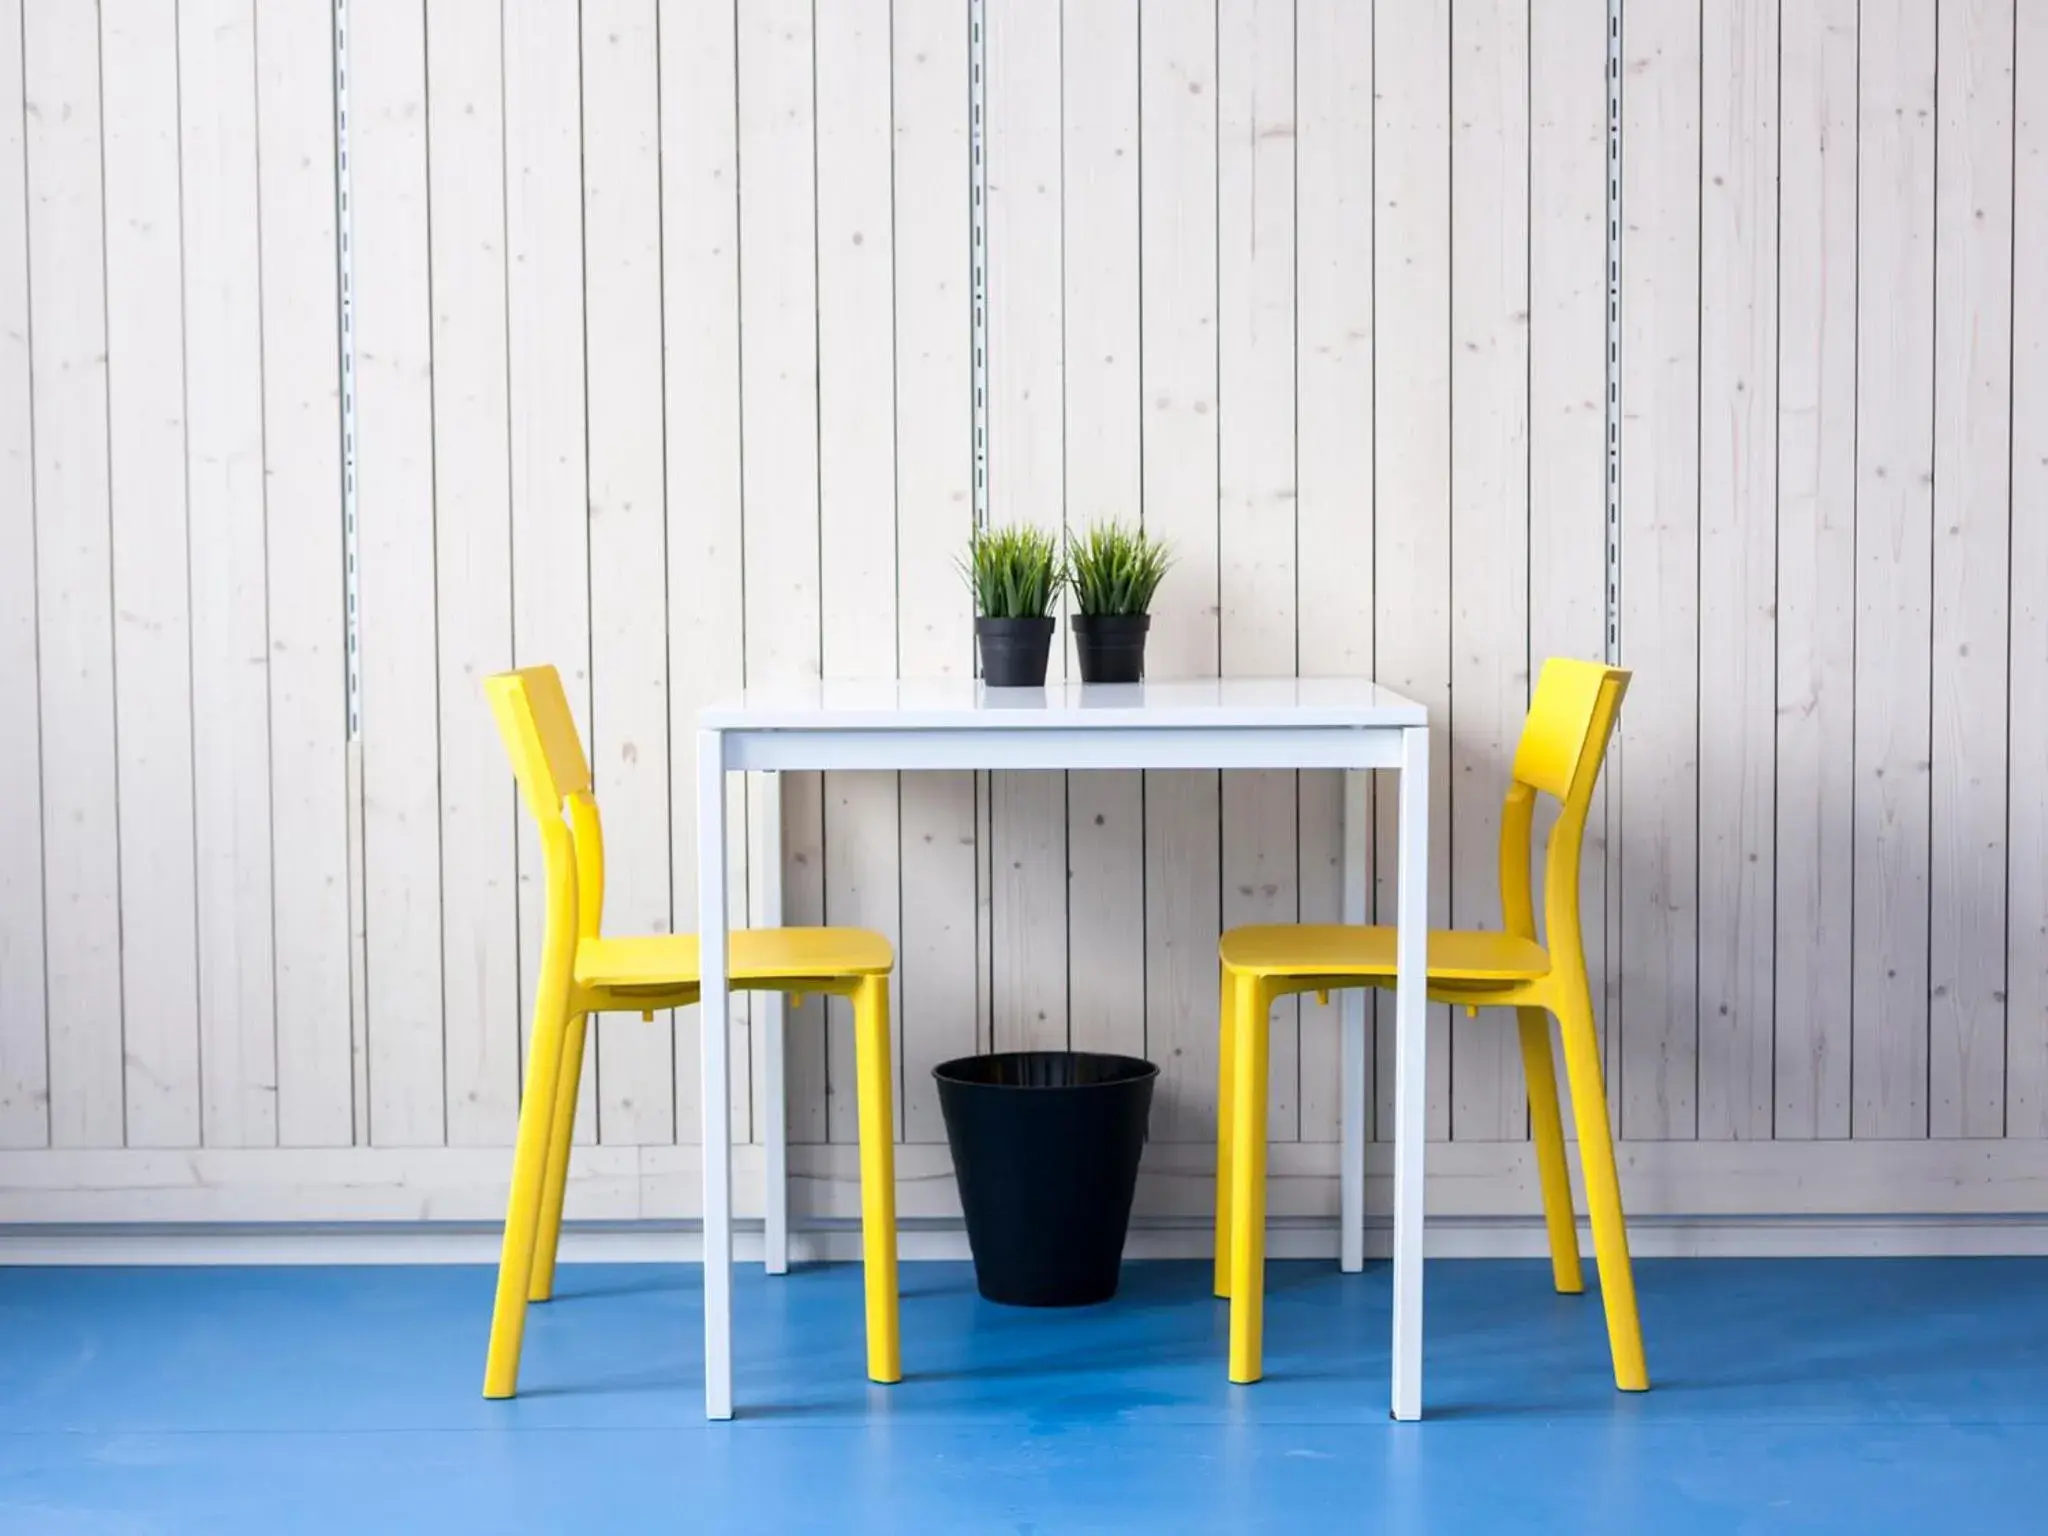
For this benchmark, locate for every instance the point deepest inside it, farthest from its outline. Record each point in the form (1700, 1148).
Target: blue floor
(1859, 1395)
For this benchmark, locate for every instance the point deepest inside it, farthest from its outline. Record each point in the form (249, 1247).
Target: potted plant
(1113, 570)
(1016, 575)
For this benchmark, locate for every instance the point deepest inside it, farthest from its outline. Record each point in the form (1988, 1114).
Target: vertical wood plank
(937, 982)
(152, 624)
(937, 976)
(229, 574)
(1256, 467)
(1026, 444)
(473, 568)
(807, 1073)
(1567, 384)
(1894, 538)
(73, 555)
(1028, 908)
(779, 420)
(856, 475)
(1412, 428)
(1183, 847)
(2026, 1102)
(1973, 517)
(1737, 566)
(1333, 451)
(863, 890)
(302, 479)
(1489, 542)
(24, 1040)
(358, 942)
(700, 325)
(1658, 786)
(628, 555)
(395, 516)
(550, 487)
(1816, 571)
(1102, 430)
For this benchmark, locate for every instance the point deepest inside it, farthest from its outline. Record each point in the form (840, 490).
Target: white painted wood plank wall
(627, 498)
(1412, 349)
(1177, 127)
(700, 326)
(1103, 426)
(73, 603)
(1895, 402)
(24, 1029)
(1737, 555)
(1568, 382)
(1333, 446)
(1814, 831)
(317, 1100)
(153, 639)
(857, 510)
(473, 564)
(2026, 998)
(1654, 790)
(937, 960)
(664, 360)
(395, 457)
(1490, 525)
(230, 608)
(1974, 517)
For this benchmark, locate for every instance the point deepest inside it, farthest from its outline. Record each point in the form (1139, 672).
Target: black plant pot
(1014, 651)
(1110, 646)
(1045, 1149)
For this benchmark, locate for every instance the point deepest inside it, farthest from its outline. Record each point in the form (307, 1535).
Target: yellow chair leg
(1603, 1190)
(529, 1169)
(877, 1178)
(1249, 1061)
(1547, 1129)
(1226, 1049)
(562, 1132)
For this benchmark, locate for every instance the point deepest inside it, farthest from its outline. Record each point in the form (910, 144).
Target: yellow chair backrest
(540, 736)
(1564, 740)
(1570, 717)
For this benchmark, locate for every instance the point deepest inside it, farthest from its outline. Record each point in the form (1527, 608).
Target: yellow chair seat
(658, 960)
(1330, 949)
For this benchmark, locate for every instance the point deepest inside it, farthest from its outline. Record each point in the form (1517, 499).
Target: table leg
(1411, 1075)
(771, 1009)
(1354, 1005)
(715, 1087)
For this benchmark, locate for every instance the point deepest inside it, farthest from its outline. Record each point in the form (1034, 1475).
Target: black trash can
(1045, 1148)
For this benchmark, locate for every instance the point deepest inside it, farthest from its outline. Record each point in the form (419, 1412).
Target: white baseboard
(678, 1242)
(1686, 1182)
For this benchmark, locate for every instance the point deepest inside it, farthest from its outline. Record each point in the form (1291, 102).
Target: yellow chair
(582, 973)
(1563, 742)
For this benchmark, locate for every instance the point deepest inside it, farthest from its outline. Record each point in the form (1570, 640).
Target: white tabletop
(953, 704)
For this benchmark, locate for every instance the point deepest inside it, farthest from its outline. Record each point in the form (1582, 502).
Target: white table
(1342, 723)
